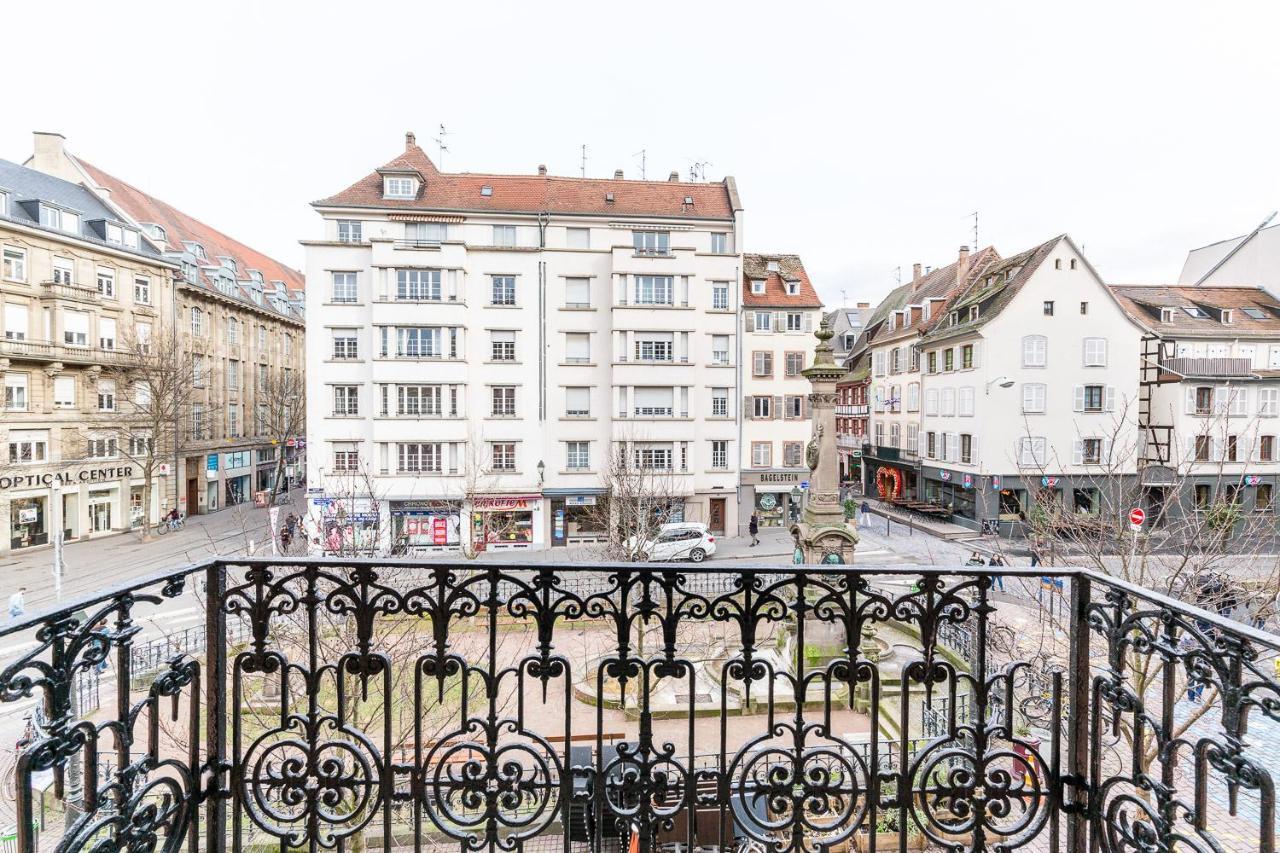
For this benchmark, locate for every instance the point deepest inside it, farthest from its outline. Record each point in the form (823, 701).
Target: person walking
(753, 527)
(1035, 556)
(997, 581)
(18, 603)
(865, 510)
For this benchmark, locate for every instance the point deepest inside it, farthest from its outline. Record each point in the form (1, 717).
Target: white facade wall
(548, 318)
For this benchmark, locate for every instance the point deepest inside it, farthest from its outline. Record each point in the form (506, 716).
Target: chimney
(617, 174)
(962, 265)
(542, 168)
(674, 177)
(409, 140)
(50, 156)
(915, 272)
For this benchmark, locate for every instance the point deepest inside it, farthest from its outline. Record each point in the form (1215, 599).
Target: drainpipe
(177, 420)
(738, 384)
(543, 219)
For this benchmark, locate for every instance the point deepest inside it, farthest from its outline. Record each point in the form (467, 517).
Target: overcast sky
(862, 135)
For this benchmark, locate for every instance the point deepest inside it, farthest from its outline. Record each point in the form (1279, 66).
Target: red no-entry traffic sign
(1136, 516)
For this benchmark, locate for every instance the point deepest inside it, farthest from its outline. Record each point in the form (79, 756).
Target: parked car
(684, 540)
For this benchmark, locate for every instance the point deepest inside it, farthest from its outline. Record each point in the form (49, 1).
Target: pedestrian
(286, 539)
(18, 603)
(753, 527)
(291, 524)
(998, 580)
(1035, 556)
(865, 509)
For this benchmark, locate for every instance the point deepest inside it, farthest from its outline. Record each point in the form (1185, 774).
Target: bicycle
(170, 524)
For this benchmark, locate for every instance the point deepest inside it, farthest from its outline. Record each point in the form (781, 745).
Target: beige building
(77, 280)
(240, 312)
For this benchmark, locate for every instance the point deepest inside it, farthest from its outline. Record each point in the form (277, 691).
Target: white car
(678, 541)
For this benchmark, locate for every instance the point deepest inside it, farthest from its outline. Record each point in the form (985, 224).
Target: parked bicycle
(173, 521)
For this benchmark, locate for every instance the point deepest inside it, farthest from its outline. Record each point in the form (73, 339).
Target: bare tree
(152, 378)
(639, 497)
(282, 416)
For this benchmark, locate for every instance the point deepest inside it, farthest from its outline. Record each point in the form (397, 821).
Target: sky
(863, 136)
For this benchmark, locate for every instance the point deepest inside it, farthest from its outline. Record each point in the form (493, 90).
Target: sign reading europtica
(65, 478)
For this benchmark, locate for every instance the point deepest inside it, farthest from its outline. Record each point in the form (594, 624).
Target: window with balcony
(418, 342)
(502, 455)
(503, 401)
(577, 455)
(346, 400)
(350, 231)
(653, 402)
(106, 333)
(63, 271)
(651, 242)
(418, 400)
(503, 290)
(346, 344)
(75, 328)
(344, 288)
(424, 234)
(655, 290)
(415, 285)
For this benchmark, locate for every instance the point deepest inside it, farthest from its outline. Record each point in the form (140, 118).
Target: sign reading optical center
(65, 478)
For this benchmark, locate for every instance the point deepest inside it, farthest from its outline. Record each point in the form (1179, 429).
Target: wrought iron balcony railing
(410, 705)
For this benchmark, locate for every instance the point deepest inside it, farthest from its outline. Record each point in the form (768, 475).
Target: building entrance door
(100, 517)
(717, 516)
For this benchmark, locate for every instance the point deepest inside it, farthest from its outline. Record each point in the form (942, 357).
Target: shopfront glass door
(100, 517)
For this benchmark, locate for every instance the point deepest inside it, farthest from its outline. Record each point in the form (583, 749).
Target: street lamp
(1001, 381)
(542, 471)
(796, 494)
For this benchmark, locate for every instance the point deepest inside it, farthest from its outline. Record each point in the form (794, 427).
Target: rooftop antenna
(443, 147)
(698, 170)
(844, 298)
(642, 154)
(897, 275)
(584, 159)
(975, 230)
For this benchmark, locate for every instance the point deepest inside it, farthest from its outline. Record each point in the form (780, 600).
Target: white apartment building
(1250, 259)
(483, 347)
(895, 393)
(1211, 381)
(780, 311)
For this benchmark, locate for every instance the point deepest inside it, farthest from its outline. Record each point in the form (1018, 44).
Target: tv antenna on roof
(442, 146)
(698, 170)
(975, 230)
(844, 298)
(897, 275)
(584, 159)
(642, 154)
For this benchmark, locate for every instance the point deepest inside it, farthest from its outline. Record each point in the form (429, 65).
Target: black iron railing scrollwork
(473, 706)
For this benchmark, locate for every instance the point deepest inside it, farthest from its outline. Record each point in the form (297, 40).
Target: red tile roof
(537, 193)
(180, 227)
(1143, 302)
(941, 283)
(756, 267)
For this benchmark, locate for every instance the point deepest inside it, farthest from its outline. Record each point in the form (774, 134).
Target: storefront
(776, 498)
(79, 502)
(348, 526)
(28, 522)
(955, 490)
(500, 522)
(265, 475)
(238, 471)
(577, 517)
(430, 525)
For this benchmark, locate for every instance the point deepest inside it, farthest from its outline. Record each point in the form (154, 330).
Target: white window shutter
(1191, 401)
(973, 449)
(1219, 401)
(1240, 401)
(1257, 449)
(1106, 451)
(1079, 399)
(779, 322)
(1026, 352)
(1215, 448)
(1077, 452)
(1022, 452)
(750, 318)
(1109, 399)
(977, 353)
(1102, 351)
(1191, 448)
(808, 322)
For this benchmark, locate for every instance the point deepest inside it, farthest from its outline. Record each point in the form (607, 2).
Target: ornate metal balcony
(333, 704)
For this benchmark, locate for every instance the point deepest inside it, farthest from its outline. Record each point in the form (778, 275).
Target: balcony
(70, 292)
(33, 350)
(1207, 368)
(527, 708)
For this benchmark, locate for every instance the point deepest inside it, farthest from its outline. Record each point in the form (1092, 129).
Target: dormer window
(772, 266)
(121, 236)
(228, 263)
(53, 217)
(973, 313)
(954, 318)
(793, 288)
(1166, 315)
(399, 187)
(255, 275)
(197, 250)
(757, 286)
(486, 190)
(1226, 316)
(157, 232)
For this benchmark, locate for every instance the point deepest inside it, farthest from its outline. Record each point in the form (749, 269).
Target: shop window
(1203, 496)
(1263, 498)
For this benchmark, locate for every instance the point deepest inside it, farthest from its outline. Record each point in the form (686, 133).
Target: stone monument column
(823, 535)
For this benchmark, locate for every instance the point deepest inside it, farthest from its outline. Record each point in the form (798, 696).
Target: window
(504, 235)
(761, 407)
(346, 400)
(142, 290)
(101, 448)
(720, 402)
(64, 392)
(654, 401)
(1204, 496)
(966, 356)
(930, 443)
(761, 454)
(418, 342)
(578, 238)
(233, 331)
(577, 348)
(764, 323)
(913, 397)
(1048, 308)
(1263, 498)
(197, 370)
(1203, 448)
(27, 446)
(792, 454)
(654, 457)
(346, 457)
(1033, 397)
(966, 448)
(719, 349)
(965, 402)
(794, 363)
(140, 445)
(1269, 402)
(931, 401)
(1266, 448)
(106, 333)
(1095, 352)
(793, 288)
(15, 392)
(502, 346)
(1233, 448)
(1254, 313)
(720, 296)
(1203, 400)
(577, 455)
(1084, 307)
(931, 361)
(398, 187)
(233, 375)
(1035, 351)
(757, 286)
(349, 231)
(197, 420)
(762, 364)
(1195, 312)
(503, 290)
(107, 282)
(262, 339)
(913, 361)
(1091, 451)
(503, 455)
(1032, 451)
(948, 359)
(63, 271)
(413, 285)
(651, 242)
(793, 407)
(654, 290)
(719, 243)
(504, 401)
(418, 400)
(15, 264)
(719, 454)
(1089, 398)
(346, 344)
(795, 321)
(75, 328)
(577, 293)
(419, 234)
(344, 287)
(577, 402)
(418, 458)
(655, 346)
(948, 402)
